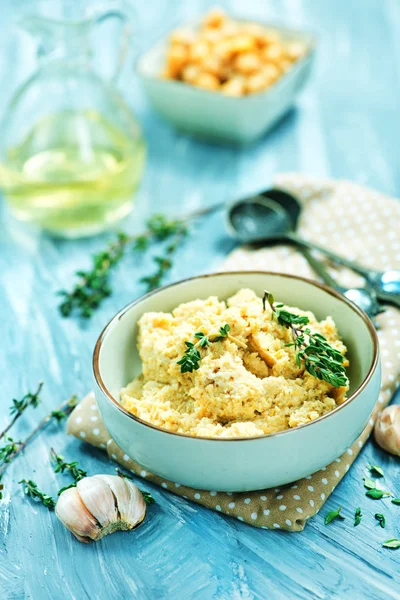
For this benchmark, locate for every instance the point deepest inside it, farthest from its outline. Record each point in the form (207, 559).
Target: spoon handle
(320, 270)
(337, 258)
(385, 298)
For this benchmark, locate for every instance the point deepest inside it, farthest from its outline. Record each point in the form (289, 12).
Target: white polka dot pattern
(369, 216)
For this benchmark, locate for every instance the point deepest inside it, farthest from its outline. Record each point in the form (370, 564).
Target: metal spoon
(262, 220)
(365, 298)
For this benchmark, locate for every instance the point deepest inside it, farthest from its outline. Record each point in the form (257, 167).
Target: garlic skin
(387, 429)
(100, 505)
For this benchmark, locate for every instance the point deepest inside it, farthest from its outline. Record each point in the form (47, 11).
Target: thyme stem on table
(31, 489)
(94, 286)
(320, 359)
(61, 466)
(19, 406)
(58, 415)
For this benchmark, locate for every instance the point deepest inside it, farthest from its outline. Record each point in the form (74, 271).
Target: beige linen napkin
(355, 221)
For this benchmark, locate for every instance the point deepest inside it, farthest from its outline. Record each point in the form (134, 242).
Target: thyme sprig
(357, 516)
(59, 414)
(32, 490)
(332, 515)
(320, 359)
(19, 406)
(190, 361)
(8, 449)
(147, 497)
(61, 466)
(94, 286)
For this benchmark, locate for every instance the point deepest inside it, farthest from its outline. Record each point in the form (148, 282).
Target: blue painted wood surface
(346, 124)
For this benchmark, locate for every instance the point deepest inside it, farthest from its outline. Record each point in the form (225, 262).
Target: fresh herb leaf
(381, 519)
(357, 516)
(332, 515)
(378, 471)
(7, 451)
(31, 489)
(393, 543)
(190, 361)
(320, 359)
(60, 466)
(66, 487)
(370, 484)
(376, 493)
(396, 500)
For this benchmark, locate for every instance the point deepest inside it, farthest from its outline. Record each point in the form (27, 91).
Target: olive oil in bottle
(73, 174)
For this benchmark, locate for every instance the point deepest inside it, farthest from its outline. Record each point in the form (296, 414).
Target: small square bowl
(218, 117)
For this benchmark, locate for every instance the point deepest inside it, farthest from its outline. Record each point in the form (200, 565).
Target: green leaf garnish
(393, 543)
(320, 359)
(377, 470)
(370, 484)
(332, 515)
(396, 500)
(381, 519)
(357, 516)
(190, 361)
(376, 493)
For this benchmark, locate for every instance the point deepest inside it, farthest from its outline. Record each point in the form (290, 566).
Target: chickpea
(271, 73)
(212, 64)
(190, 73)
(199, 51)
(242, 43)
(207, 81)
(176, 58)
(256, 83)
(215, 18)
(233, 57)
(247, 63)
(273, 53)
(224, 50)
(233, 87)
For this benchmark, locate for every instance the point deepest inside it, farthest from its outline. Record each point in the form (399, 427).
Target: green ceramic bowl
(249, 463)
(213, 115)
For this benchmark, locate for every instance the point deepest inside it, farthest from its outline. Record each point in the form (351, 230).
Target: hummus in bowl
(246, 383)
(294, 443)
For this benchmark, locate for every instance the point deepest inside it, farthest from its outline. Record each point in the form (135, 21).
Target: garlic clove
(75, 516)
(387, 429)
(100, 505)
(98, 499)
(130, 502)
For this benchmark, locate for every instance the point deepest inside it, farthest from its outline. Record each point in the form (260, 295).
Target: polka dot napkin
(352, 220)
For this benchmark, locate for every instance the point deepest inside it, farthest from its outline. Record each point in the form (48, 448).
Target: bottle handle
(126, 33)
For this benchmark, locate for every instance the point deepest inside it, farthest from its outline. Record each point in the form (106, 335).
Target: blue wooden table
(346, 124)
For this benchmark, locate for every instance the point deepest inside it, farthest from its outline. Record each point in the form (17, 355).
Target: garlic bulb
(100, 505)
(387, 429)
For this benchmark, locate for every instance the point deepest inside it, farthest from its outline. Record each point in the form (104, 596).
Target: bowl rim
(359, 312)
(308, 56)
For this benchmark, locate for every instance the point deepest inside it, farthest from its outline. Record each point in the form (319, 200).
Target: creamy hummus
(247, 384)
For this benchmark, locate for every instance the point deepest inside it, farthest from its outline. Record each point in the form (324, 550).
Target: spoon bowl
(272, 216)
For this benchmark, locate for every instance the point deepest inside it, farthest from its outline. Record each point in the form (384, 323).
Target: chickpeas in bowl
(226, 80)
(232, 57)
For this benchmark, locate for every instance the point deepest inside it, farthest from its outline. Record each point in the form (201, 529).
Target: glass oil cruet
(71, 152)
